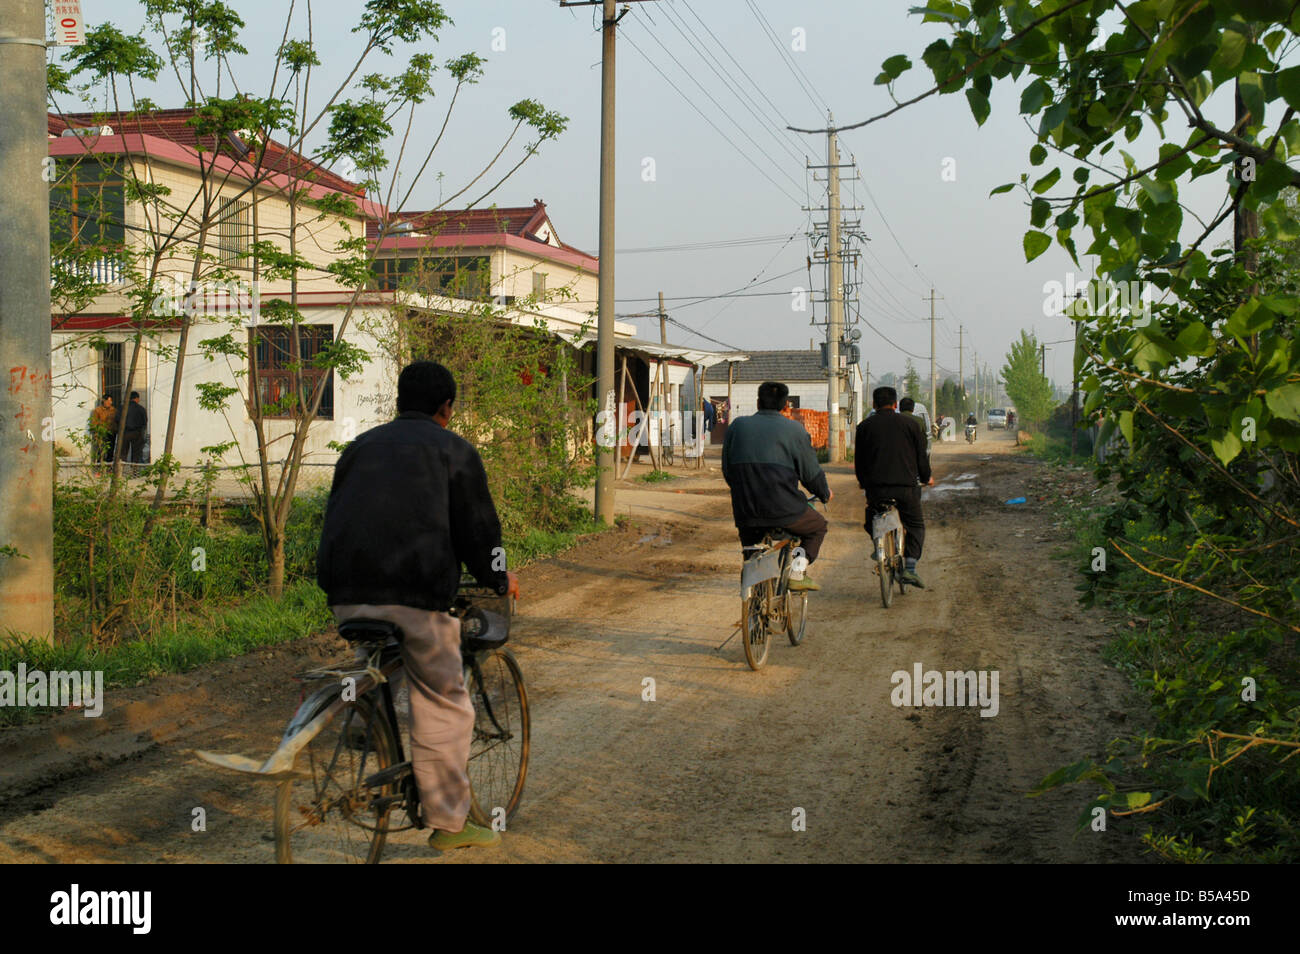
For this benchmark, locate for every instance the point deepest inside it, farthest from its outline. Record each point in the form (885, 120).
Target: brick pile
(816, 423)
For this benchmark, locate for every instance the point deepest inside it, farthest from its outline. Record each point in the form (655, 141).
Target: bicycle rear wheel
(330, 815)
(796, 616)
(885, 568)
(498, 755)
(756, 631)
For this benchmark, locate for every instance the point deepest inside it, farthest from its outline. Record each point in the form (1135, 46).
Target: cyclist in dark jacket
(409, 504)
(890, 461)
(765, 457)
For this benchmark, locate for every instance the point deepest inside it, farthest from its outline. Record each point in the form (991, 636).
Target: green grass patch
(655, 477)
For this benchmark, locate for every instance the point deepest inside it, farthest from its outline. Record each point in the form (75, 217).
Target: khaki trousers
(442, 715)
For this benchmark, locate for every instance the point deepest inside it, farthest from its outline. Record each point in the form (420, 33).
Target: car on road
(997, 418)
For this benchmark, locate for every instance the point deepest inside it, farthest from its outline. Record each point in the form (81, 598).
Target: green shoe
(471, 836)
(804, 585)
(911, 579)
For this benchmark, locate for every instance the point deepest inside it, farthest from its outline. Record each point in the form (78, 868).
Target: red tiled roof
(521, 221)
(174, 125)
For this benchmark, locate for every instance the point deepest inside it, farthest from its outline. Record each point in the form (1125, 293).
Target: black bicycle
(351, 782)
(888, 535)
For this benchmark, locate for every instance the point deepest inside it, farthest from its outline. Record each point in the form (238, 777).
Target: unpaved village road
(714, 768)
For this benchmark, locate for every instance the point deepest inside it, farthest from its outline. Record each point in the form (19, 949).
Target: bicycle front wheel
(329, 814)
(498, 755)
(756, 630)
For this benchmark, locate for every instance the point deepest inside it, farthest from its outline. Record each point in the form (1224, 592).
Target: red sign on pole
(69, 25)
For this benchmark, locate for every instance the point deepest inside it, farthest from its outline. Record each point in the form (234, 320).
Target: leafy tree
(1127, 103)
(1023, 380)
(912, 382)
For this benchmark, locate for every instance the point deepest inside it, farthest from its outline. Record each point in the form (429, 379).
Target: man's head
(907, 405)
(772, 396)
(883, 397)
(108, 400)
(135, 395)
(427, 387)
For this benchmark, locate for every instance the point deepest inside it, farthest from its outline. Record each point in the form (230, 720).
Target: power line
(761, 150)
(742, 152)
(695, 246)
(745, 100)
(795, 71)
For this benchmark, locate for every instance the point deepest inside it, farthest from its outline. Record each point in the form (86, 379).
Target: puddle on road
(958, 484)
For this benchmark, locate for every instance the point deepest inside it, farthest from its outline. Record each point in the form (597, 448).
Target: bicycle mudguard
(766, 566)
(882, 523)
(314, 713)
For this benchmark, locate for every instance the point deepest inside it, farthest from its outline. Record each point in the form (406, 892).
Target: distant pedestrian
(137, 419)
(103, 429)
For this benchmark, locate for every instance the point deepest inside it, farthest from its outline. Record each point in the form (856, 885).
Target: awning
(653, 349)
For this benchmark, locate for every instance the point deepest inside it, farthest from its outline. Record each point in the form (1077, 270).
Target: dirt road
(724, 762)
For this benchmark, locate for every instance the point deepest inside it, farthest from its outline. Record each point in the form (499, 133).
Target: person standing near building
(103, 430)
(137, 419)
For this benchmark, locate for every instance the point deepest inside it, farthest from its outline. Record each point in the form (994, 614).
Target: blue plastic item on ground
(1017, 500)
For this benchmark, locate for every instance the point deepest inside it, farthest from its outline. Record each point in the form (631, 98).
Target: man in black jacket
(410, 504)
(890, 460)
(765, 457)
(137, 419)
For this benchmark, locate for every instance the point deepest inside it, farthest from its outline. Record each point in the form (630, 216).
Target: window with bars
(275, 368)
(234, 232)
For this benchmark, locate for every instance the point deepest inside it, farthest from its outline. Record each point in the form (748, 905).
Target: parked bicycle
(766, 601)
(345, 780)
(888, 535)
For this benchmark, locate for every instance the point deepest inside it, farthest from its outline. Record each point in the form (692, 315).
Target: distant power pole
(934, 374)
(835, 291)
(26, 410)
(961, 370)
(979, 398)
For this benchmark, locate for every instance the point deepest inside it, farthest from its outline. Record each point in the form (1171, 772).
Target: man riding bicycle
(891, 463)
(410, 504)
(765, 457)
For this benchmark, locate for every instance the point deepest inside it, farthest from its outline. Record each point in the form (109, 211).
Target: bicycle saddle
(369, 631)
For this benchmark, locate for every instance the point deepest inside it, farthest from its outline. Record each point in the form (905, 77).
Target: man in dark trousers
(890, 460)
(137, 419)
(409, 504)
(765, 457)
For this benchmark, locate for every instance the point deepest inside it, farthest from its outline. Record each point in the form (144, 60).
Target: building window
(87, 205)
(234, 231)
(276, 365)
(112, 375)
(462, 277)
(539, 286)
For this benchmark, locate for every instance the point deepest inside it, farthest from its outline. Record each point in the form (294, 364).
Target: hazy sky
(749, 183)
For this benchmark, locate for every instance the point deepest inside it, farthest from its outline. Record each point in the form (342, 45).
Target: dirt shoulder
(718, 766)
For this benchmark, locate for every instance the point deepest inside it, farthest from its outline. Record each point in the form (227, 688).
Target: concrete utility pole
(979, 398)
(605, 473)
(934, 374)
(26, 421)
(835, 292)
(961, 371)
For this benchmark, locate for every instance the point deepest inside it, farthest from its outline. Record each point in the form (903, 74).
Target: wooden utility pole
(934, 373)
(26, 407)
(834, 292)
(961, 371)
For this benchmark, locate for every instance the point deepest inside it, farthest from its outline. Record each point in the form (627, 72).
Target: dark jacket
(889, 451)
(765, 457)
(409, 504)
(136, 416)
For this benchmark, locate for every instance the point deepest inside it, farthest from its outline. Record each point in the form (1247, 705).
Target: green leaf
(979, 105)
(1035, 94)
(1126, 425)
(1047, 181)
(1226, 446)
(1003, 188)
(1158, 192)
(1195, 339)
(1137, 799)
(1285, 401)
(1288, 84)
(1249, 318)
(1226, 59)
(1037, 154)
(1036, 243)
